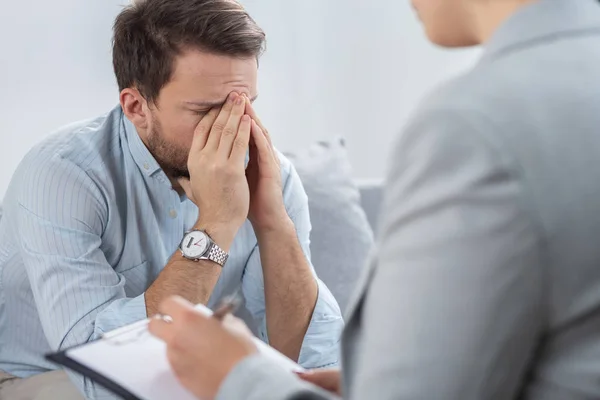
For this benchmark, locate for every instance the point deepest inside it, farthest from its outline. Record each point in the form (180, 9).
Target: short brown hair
(148, 34)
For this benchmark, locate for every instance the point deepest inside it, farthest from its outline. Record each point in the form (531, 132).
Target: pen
(228, 305)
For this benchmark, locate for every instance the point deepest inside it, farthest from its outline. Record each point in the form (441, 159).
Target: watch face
(194, 244)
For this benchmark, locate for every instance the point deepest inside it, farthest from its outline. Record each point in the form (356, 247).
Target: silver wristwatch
(196, 245)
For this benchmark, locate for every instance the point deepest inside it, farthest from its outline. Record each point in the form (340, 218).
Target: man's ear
(135, 107)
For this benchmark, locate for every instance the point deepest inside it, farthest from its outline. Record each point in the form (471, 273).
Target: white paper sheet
(137, 361)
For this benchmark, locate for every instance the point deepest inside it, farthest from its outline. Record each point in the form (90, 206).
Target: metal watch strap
(217, 255)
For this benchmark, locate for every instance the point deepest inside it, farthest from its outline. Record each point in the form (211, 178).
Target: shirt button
(173, 213)
(146, 166)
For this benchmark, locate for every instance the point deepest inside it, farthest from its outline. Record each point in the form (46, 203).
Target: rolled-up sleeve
(78, 294)
(321, 345)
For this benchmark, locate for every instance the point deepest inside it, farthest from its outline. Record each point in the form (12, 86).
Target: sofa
(344, 215)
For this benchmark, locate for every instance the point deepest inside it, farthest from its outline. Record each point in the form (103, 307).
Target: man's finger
(261, 143)
(203, 130)
(186, 185)
(230, 133)
(214, 136)
(252, 113)
(241, 141)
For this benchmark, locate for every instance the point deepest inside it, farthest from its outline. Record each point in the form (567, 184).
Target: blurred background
(346, 68)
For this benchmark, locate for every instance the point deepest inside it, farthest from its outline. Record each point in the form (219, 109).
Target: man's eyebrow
(209, 104)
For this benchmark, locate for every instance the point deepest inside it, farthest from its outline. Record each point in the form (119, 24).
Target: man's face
(448, 23)
(200, 81)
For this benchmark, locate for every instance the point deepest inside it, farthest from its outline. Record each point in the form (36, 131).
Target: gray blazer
(486, 279)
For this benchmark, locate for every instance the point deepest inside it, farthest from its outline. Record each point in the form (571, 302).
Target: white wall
(55, 68)
(334, 67)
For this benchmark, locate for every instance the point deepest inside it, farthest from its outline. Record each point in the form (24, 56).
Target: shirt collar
(543, 19)
(140, 153)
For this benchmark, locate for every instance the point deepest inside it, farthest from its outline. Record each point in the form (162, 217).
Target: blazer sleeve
(258, 378)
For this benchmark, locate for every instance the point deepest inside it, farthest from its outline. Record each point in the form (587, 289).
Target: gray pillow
(341, 236)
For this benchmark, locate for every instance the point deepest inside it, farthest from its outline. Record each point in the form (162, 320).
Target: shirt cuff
(258, 378)
(321, 345)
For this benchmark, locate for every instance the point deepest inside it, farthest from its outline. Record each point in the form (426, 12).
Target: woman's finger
(161, 328)
(328, 379)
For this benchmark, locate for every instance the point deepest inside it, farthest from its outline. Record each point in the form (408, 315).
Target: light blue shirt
(89, 222)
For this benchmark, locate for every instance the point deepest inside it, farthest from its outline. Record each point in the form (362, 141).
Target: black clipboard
(131, 334)
(62, 358)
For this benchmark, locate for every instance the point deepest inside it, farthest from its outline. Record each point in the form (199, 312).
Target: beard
(172, 158)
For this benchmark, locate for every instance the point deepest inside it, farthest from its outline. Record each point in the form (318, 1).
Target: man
(95, 219)
(486, 284)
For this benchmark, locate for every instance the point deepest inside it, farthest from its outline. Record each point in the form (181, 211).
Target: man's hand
(291, 291)
(328, 379)
(219, 188)
(201, 350)
(217, 183)
(267, 210)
